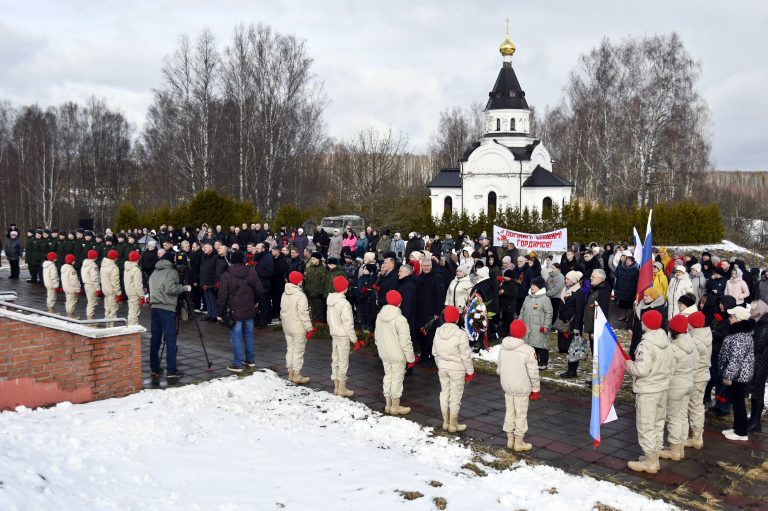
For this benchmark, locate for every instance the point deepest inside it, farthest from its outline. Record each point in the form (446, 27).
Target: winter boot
(454, 426)
(388, 406)
(298, 379)
(290, 375)
(51, 310)
(343, 390)
(445, 420)
(676, 452)
(754, 426)
(648, 463)
(335, 387)
(401, 410)
(521, 445)
(572, 370)
(696, 440)
(510, 440)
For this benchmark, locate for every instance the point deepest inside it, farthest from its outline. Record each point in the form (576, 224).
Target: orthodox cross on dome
(506, 26)
(507, 48)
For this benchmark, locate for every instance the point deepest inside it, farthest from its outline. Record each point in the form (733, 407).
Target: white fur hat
(483, 272)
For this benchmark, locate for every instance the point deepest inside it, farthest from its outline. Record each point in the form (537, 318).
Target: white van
(330, 223)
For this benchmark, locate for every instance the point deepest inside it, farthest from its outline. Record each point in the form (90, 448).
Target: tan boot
(676, 452)
(51, 310)
(510, 440)
(401, 410)
(696, 441)
(649, 463)
(290, 375)
(298, 379)
(388, 406)
(454, 426)
(521, 445)
(335, 387)
(445, 420)
(343, 390)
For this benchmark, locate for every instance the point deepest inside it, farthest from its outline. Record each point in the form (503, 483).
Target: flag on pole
(645, 279)
(607, 374)
(638, 252)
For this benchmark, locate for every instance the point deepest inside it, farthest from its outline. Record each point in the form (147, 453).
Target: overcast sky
(392, 63)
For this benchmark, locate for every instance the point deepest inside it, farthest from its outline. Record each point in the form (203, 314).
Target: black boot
(754, 426)
(572, 370)
(754, 423)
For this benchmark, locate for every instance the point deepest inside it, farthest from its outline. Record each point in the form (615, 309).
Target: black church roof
(446, 178)
(543, 177)
(506, 92)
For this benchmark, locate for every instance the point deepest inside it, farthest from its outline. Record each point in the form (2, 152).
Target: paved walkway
(724, 475)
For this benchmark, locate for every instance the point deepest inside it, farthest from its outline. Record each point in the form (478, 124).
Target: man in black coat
(321, 241)
(279, 278)
(387, 280)
(523, 274)
(265, 267)
(296, 263)
(430, 295)
(208, 280)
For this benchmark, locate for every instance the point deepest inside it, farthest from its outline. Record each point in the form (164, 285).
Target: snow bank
(725, 245)
(259, 443)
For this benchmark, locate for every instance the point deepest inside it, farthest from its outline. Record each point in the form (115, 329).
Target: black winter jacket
(407, 289)
(430, 296)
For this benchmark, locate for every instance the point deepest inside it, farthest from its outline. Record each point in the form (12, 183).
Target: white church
(507, 167)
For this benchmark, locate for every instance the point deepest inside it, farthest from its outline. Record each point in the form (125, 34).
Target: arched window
(492, 205)
(546, 205)
(498, 124)
(511, 125)
(448, 206)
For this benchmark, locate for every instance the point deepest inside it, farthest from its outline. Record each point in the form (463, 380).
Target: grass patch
(410, 495)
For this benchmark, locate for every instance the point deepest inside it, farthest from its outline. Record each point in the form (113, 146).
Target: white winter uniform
(519, 371)
(458, 292)
(393, 342)
(71, 285)
(651, 371)
(454, 361)
(341, 324)
(51, 281)
(678, 286)
(110, 286)
(134, 290)
(294, 316)
(92, 284)
(680, 384)
(702, 339)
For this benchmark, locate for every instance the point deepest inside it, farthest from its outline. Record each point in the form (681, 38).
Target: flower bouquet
(476, 322)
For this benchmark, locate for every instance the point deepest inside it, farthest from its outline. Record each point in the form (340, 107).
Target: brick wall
(53, 363)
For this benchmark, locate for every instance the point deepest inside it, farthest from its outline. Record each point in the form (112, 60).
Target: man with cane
(164, 291)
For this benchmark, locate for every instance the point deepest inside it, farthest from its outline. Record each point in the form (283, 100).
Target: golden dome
(507, 47)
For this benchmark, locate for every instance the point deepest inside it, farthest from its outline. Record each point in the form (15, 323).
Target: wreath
(476, 322)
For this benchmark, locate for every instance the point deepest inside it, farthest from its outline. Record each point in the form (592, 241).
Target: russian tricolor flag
(645, 279)
(607, 374)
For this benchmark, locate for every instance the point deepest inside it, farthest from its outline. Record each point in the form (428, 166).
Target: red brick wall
(41, 365)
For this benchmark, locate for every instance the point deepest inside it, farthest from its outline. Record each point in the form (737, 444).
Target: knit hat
(539, 283)
(681, 268)
(678, 324)
(574, 276)
(658, 265)
(371, 268)
(741, 313)
(394, 298)
(517, 329)
(333, 260)
(340, 283)
(509, 274)
(69, 259)
(134, 256)
(451, 314)
(466, 270)
(652, 320)
(687, 299)
(652, 292)
(151, 244)
(696, 267)
(112, 254)
(92, 254)
(482, 273)
(627, 253)
(295, 278)
(51, 256)
(697, 319)
(237, 257)
(317, 255)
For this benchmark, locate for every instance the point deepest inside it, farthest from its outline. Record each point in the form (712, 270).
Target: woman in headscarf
(572, 312)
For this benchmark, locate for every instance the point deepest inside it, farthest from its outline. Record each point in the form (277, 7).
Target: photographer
(164, 291)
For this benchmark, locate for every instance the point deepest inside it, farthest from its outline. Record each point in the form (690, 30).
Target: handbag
(562, 326)
(578, 349)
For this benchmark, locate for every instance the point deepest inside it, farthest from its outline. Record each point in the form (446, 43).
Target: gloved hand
(718, 316)
(721, 399)
(363, 290)
(469, 377)
(543, 329)
(119, 298)
(99, 294)
(358, 345)
(566, 335)
(410, 365)
(311, 333)
(727, 382)
(59, 289)
(142, 301)
(499, 279)
(534, 396)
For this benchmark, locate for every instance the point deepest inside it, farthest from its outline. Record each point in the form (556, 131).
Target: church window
(492, 205)
(448, 206)
(546, 205)
(498, 124)
(511, 125)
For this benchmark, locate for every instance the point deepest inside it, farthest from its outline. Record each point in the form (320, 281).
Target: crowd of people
(697, 334)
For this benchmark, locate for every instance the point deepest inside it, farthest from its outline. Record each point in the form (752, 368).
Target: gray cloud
(391, 64)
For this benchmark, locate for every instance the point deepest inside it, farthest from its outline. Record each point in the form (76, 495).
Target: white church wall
(533, 197)
(439, 194)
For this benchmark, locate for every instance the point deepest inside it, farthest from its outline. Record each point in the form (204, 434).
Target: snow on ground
(259, 443)
(725, 246)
